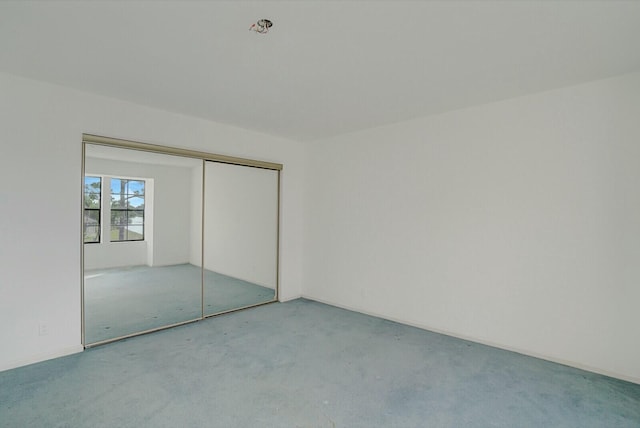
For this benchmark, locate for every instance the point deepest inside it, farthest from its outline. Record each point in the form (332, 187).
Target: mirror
(240, 236)
(145, 236)
(142, 213)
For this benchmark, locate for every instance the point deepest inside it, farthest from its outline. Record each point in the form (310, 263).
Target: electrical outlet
(43, 329)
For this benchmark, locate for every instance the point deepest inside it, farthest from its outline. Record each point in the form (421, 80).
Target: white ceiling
(326, 67)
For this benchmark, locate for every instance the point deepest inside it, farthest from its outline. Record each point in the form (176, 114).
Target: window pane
(135, 187)
(92, 200)
(118, 233)
(91, 234)
(91, 217)
(118, 218)
(136, 225)
(135, 232)
(136, 217)
(92, 226)
(92, 182)
(92, 186)
(135, 202)
(118, 202)
(116, 186)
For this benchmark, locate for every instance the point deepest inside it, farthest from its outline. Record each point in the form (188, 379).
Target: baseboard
(568, 363)
(290, 298)
(41, 357)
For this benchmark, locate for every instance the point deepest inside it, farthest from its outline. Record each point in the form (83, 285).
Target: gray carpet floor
(305, 364)
(122, 301)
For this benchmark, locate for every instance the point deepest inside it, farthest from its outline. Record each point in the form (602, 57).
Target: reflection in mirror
(142, 241)
(240, 236)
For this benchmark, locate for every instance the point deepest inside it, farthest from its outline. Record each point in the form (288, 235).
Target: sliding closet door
(142, 241)
(171, 236)
(240, 251)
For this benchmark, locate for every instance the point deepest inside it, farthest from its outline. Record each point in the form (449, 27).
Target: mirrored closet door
(240, 236)
(144, 236)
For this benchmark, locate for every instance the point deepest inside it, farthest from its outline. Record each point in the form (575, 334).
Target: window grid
(92, 209)
(127, 210)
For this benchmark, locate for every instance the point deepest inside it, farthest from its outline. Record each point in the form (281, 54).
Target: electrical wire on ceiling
(262, 26)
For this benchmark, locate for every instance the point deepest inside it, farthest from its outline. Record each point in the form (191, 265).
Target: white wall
(241, 222)
(117, 254)
(514, 223)
(169, 236)
(41, 128)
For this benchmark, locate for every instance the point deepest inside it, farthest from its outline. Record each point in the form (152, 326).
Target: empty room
(320, 213)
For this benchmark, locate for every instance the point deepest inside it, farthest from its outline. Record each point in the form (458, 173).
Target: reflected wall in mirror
(240, 236)
(142, 241)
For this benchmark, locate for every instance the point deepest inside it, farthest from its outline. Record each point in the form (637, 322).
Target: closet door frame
(204, 156)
